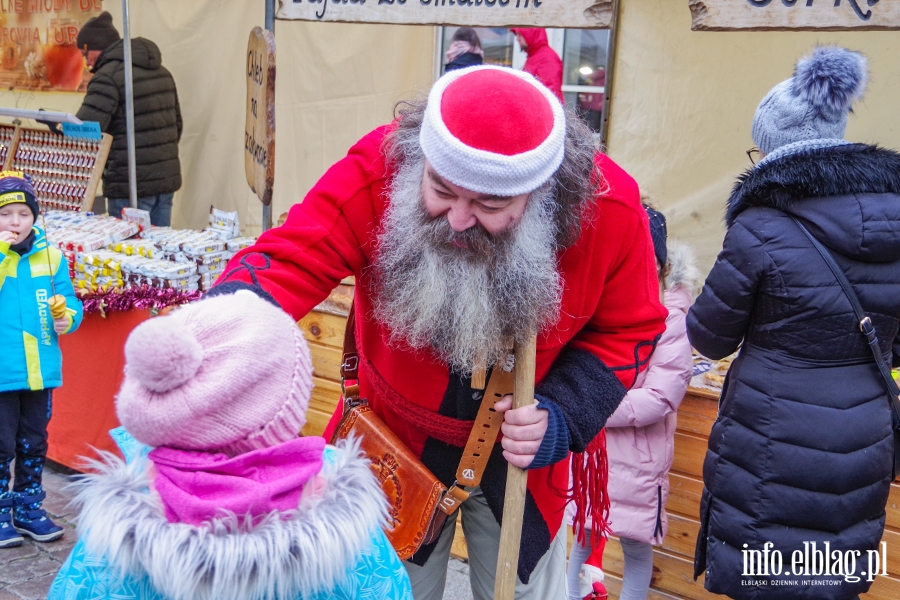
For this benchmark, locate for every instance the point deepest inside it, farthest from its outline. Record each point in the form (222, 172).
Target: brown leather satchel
(420, 503)
(413, 491)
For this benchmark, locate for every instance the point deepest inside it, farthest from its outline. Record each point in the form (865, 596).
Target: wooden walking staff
(516, 481)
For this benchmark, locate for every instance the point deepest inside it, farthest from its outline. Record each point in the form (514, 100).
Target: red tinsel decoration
(142, 298)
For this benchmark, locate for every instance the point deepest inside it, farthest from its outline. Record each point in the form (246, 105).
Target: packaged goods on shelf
(104, 254)
(239, 243)
(223, 224)
(83, 231)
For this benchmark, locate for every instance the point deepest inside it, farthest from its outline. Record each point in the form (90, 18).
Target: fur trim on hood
(682, 267)
(835, 171)
(282, 556)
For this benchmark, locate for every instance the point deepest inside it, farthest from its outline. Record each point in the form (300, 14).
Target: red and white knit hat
(493, 130)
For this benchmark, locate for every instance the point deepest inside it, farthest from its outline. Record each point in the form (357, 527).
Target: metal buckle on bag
(862, 324)
(452, 498)
(351, 363)
(350, 394)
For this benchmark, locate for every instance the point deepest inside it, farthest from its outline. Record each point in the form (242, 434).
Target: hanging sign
(259, 131)
(809, 15)
(38, 48)
(576, 14)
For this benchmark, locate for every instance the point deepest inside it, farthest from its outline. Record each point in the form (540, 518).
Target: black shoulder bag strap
(866, 327)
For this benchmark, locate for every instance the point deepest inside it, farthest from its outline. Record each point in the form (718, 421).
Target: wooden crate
(673, 561)
(325, 334)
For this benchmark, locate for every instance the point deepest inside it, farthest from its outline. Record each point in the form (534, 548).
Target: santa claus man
(478, 216)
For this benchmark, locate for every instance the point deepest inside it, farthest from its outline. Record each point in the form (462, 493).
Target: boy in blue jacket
(33, 278)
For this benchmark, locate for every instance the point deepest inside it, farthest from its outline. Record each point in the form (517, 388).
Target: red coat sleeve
(611, 281)
(629, 316)
(325, 238)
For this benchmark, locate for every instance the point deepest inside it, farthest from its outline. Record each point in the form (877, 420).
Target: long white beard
(466, 304)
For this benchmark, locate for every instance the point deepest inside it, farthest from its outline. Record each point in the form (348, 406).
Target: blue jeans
(159, 207)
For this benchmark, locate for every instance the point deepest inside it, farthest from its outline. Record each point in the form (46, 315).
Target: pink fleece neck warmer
(197, 486)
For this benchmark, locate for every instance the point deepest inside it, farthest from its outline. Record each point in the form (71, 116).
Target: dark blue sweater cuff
(230, 287)
(555, 445)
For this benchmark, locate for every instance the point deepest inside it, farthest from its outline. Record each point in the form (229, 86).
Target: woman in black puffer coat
(802, 448)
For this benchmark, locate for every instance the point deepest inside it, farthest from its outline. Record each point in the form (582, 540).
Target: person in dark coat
(157, 118)
(465, 50)
(801, 452)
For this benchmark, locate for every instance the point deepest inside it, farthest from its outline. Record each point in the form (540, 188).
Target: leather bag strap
(865, 323)
(350, 363)
(484, 432)
(483, 435)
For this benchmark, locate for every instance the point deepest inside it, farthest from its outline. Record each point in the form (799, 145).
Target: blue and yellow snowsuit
(31, 356)
(32, 361)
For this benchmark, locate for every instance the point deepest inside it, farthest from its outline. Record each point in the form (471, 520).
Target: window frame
(556, 39)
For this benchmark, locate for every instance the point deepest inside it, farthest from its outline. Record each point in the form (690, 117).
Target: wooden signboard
(259, 131)
(576, 14)
(809, 15)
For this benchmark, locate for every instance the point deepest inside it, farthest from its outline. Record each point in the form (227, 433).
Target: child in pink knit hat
(220, 498)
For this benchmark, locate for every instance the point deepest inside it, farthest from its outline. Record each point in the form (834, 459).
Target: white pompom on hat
(493, 130)
(230, 373)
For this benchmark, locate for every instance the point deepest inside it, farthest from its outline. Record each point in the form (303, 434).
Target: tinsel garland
(142, 298)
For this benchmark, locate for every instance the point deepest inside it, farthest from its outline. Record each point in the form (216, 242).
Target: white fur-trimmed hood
(682, 266)
(230, 559)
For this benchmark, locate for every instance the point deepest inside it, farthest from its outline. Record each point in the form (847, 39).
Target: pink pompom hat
(230, 373)
(493, 130)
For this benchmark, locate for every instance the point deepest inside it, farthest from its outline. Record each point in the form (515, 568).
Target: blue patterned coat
(333, 548)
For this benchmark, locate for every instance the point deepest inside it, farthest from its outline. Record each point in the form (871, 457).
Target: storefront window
(497, 43)
(584, 54)
(584, 72)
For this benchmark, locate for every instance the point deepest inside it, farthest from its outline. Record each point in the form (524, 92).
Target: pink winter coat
(640, 434)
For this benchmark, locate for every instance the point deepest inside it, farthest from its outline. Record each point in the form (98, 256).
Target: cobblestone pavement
(27, 571)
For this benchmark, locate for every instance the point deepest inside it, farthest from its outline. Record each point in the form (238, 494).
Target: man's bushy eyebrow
(437, 179)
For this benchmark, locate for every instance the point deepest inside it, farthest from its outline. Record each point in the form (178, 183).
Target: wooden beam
(577, 14)
(804, 15)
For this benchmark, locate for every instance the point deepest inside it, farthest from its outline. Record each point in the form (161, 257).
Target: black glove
(52, 125)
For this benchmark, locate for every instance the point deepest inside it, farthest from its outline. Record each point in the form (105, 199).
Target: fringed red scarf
(590, 476)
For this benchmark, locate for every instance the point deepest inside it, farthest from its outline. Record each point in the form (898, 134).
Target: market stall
(124, 271)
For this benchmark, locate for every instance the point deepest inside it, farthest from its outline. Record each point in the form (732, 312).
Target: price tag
(89, 130)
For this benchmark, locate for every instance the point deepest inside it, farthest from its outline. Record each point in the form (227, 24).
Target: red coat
(543, 62)
(610, 309)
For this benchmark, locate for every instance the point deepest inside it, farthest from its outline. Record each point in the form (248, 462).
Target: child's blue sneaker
(9, 537)
(32, 520)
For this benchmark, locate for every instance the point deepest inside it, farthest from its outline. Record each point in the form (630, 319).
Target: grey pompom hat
(810, 109)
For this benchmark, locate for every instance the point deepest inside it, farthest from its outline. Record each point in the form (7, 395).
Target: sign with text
(577, 14)
(37, 44)
(89, 130)
(809, 15)
(259, 131)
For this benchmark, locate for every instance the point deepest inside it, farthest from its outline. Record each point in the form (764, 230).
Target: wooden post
(516, 481)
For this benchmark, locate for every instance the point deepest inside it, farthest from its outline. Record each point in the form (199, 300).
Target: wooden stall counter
(673, 566)
(84, 407)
